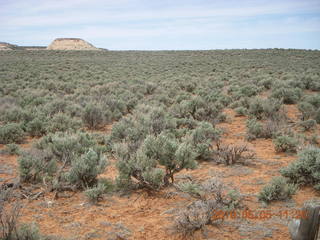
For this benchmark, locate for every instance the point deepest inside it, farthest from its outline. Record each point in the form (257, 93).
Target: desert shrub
(93, 116)
(278, 189)
(212, 199)
(254, 129)
(66, 161)
(266, 83)
(242, 102)
(313, 139)
(197, 108)
(94, 194)
(28, 232)
(230, 155)
(248, 90)
(285, 143)
(56, 106)
(11, 133)
(14, 114)
(317, 116)
(310, 107)
(306, 169)
(138, 166)
(8, 221)
(144, 120)
(241, 111)
(195, 217)
(12, 149)
(36, 127)
(84, 170)
(256, 107)
(36, 164)
(271, 109)
(171, 154)
(311, 82)
(186, 123)
(287, 94)
(163, 150)
(191, 188)
(313, 99)
(11, 230)
(66, 146)
(307, 110)
(264, 108)
(272, 128)
(308, 124)
(202, 138)
(62, 122)
(232, 200)
(269, 129)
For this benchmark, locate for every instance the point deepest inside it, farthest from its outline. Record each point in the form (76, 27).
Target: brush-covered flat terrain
(157, 145)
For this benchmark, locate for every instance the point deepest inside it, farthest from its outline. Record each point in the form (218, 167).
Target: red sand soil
(148, 215)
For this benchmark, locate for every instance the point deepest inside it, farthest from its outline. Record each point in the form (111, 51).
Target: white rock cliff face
(5, 46)
(70, 44)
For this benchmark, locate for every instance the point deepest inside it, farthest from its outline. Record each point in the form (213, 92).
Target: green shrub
(278, 189)
(28, 232)
(62, 122)
(240, 111)
(264, 108)
(249, 90)
(94, 194)
(285, 144)
(67, 146)
(254, 129)
(307, 110)
(287, 94)
(256, 108)
(197, 108)
(84, 170)
(14, 114)
(11, 133)
(191, 188)
(93, 116)
(308, 124)
(317, 116)
(202, 138)
(56, 106)
(306, 169)
(313, 99)
(36, 164)
(163, 150)
(12, 148)
(36, 127)
(266, 83)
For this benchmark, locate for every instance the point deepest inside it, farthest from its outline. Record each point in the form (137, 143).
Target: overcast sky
(164, 24)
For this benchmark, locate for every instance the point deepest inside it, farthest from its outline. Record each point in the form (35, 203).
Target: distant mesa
(57, 44)
(70, 44)
(7, 46)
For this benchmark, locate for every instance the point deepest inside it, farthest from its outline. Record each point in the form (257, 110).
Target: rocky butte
(70, 44)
